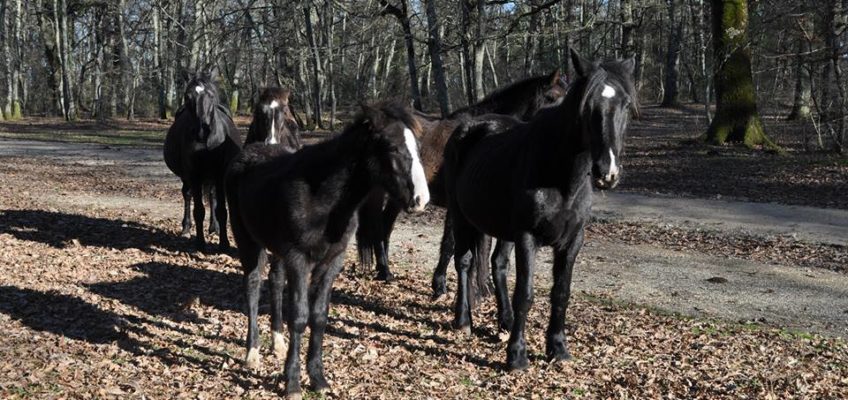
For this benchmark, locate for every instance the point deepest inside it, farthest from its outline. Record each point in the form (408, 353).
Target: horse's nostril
(417, 200)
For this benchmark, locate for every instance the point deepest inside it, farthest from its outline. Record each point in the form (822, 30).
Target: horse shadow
(168, 289)
(62, 230)
(61, 314)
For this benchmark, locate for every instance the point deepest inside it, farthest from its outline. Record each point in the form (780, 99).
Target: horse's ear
(582, 66)
(629, 65)
(284, 97)
(554, 77)
(369, 115)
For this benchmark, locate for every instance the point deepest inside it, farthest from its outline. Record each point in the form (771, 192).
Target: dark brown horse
(199, 146)
(273, 120)
(530, 185)
(521, 99)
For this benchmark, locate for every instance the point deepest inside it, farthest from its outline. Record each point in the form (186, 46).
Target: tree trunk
(315, 61)
(736, 119)
(158, 63)
(60, 13)
(803, 92)
(402, 15)
(434, 43)
(479, 50)
(672, 61)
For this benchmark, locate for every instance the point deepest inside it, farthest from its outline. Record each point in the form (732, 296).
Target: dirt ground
(100, 299)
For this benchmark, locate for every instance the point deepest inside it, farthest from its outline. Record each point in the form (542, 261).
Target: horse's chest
(553, 216)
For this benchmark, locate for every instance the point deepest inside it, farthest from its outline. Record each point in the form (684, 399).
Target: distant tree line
(129, 58)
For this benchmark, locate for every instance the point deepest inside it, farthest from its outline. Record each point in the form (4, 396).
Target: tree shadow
(59, 230)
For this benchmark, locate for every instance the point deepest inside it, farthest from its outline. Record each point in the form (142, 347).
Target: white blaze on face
(199, 89)
(272, 139)
(613, 171)
(609, 92)
(419, 181)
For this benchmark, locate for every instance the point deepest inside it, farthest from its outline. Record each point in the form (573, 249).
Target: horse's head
(551, 93)
(273, 120)
(607, 98)
(201, 99)
(393, 160)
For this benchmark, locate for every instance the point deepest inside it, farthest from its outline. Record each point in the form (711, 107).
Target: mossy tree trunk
(737, 119)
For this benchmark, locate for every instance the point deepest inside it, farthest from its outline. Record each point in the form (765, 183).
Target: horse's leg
(199, 214)
(297, 275)
(500, 269)
(446, 250)
(278, 284)
(556, 346)
(390, 215)
(211, 196)
(220, 211)
(525, 258)
(319, 306)
(186, 190)
(480, 271)
(466, 240)
(368, 230)
(253, 258)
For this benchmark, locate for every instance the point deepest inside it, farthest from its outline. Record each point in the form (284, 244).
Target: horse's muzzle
(607, 181)
(417, 204)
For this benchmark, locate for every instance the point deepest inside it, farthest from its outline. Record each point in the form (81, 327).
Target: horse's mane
(380, 112)
(507, 93)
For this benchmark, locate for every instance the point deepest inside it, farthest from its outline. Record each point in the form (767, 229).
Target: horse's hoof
(518, 364)
(252, 360)
(384, 276)
(464, 330)
(439, 292)
(560, 354)
(224, 249)
(319, 385)
(279, 344)
(186, 233)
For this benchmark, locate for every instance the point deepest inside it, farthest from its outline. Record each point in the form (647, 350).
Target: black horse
(273, 131)
(273, 121)
(530, 184)
(521, 99)
(200, 144)
(301, 206)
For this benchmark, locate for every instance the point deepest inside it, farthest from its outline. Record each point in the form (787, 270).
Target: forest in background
(130, 58)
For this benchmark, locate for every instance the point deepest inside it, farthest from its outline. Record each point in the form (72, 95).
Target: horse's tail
(369, 233)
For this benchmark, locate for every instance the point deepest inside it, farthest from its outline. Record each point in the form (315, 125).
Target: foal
(200, 144)
(301, 206)
(531, 184)
(273, 131)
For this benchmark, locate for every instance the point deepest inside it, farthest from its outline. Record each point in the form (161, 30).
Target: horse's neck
(556, 139)
(343, 180)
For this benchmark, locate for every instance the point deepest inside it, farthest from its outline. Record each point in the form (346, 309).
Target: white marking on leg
(419, 180)
(199, 89)
(613, 171)
(608, 92)
(252, 361)
(279, 344)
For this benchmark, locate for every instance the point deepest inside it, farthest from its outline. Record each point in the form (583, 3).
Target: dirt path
(786, 296)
